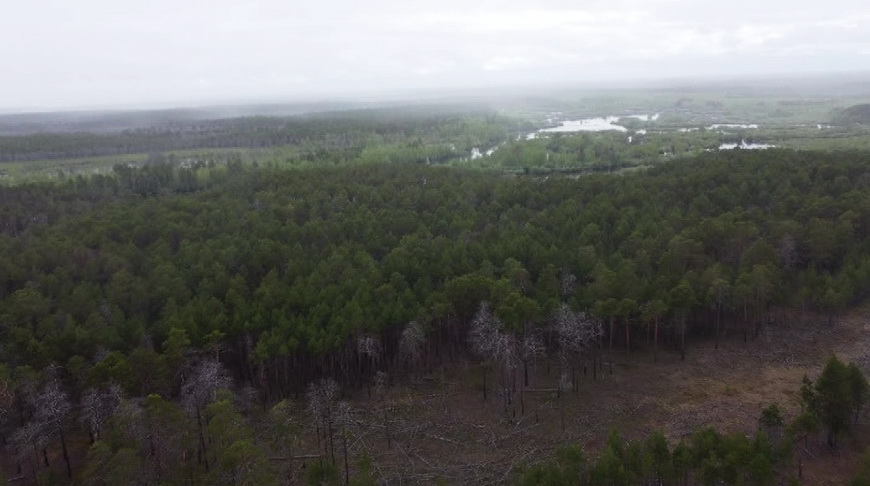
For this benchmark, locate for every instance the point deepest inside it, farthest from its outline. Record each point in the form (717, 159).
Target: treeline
(325, 131)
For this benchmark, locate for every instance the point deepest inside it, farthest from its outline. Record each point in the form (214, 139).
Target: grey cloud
(70, 54)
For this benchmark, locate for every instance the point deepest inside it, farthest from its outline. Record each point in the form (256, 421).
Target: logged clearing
(439, 430)
(443, 430)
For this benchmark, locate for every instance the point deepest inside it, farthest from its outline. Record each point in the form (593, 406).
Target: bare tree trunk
(745, 320)
(346, 468)
(682, 337)
(611, 335)
(331, 441)
(484, 381)
(522, 402)
(290, 461)
(202, 452)
(387, 428)
(526, 373)
(35, 466)
(317, 434)
(153, 448)
(718, 321)
(65, 453)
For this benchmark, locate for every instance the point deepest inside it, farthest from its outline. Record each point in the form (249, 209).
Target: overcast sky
(103, 53)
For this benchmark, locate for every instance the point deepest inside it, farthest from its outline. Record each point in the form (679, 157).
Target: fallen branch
(303, 456)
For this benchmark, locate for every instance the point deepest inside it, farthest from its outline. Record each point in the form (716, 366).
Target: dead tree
(531, 348)
(369, 347)
(322, 397)
(6, 401)
(97, 407)
(576, 333)
(411, 344)
(382, 380)
(51, 408)
(487, 339)
(284, 431)
(343, 419)
(198, 389)
(27, 441)
(567, 283)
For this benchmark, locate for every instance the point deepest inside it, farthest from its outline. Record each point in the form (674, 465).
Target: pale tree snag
(284, 431)
(97, 407)
(343, 418)
(382, 380)
(322, 397)
(576, 333)
(567, 283)
(51, 408)
(369, 346)
(486, 338)
(531, 348)
(200, 388)
(27, 441)
(411, 344)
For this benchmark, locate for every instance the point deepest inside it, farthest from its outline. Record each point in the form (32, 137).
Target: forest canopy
(142, 294)
(287, 263)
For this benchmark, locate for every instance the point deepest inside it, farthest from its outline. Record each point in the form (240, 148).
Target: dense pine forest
(188, 323)
(339, 132)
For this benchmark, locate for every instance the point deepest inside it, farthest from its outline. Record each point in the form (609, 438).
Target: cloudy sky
(106, 53)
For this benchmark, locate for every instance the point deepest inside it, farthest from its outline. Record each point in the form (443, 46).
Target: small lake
(610, 123)
(599, 124)
(746, 146)
(717, 126)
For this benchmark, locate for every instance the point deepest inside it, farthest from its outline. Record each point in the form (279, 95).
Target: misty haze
(491, 243)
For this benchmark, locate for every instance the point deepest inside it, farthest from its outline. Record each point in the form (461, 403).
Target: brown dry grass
(443, 430)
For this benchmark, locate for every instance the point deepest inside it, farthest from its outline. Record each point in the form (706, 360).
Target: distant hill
(855, 114)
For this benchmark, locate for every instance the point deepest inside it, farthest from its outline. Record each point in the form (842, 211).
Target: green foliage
(299, 263)
(708, 456)
(857, 386)
(321, 473)
(761, 471)
(364, 475)
(126, 277)
(835, 400)
(244, 463)
(108, 467)
(567, 468)
(862, 477)
(855, 114)
(771, 416)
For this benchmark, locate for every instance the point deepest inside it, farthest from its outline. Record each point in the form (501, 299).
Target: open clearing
(443, 430)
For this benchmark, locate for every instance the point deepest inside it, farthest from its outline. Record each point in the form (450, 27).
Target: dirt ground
(444, 432)
(439, 430)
